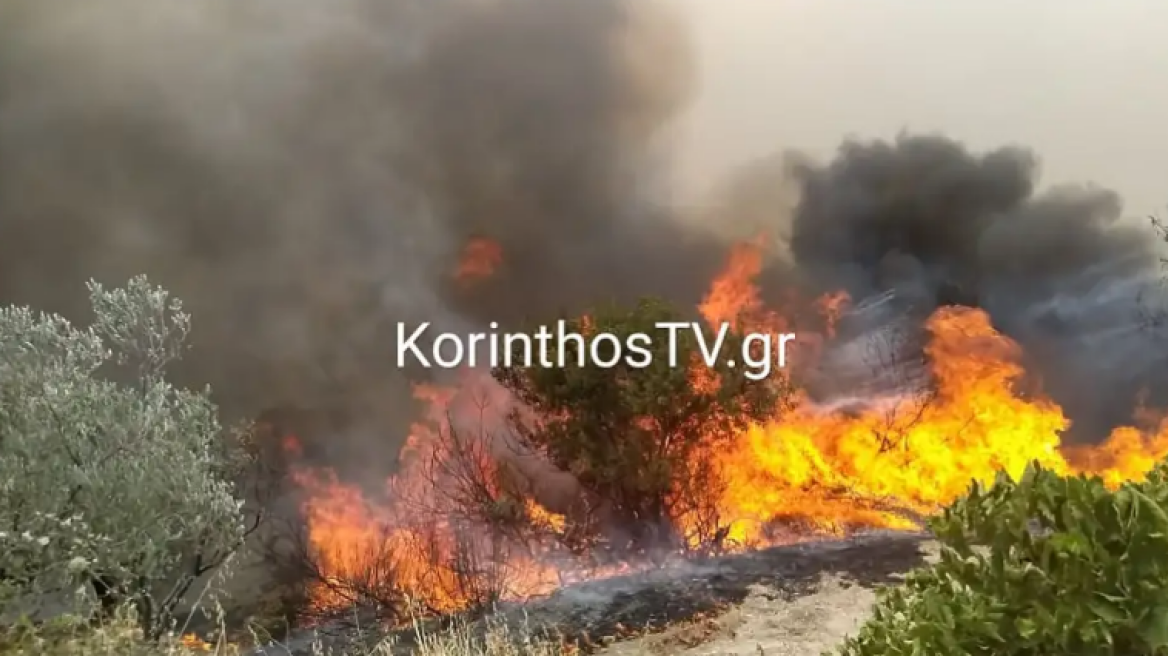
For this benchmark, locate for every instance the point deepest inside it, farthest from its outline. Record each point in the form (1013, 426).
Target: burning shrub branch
(458, 530)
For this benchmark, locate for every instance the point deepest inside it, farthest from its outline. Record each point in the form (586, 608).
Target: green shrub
(113, 482)
(632, 436)
(1048, 564)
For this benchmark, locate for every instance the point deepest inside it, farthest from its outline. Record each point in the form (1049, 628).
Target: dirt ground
(770, 621)
(764, 624)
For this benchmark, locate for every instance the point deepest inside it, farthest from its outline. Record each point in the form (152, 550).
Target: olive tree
(113, 482)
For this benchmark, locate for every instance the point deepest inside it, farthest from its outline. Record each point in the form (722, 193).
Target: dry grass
(499, 641)
(122, 638)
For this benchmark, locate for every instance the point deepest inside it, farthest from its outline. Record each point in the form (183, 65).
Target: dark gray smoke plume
(931, 223)
(306, 174)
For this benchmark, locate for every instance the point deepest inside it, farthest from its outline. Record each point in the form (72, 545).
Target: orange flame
(480, 258)
(914, 453)
(192, 642)
(808, 469)
(415, 544)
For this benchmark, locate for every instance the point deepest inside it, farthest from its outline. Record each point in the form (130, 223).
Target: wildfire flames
(809, 470)
(479, 260)
(193, 642)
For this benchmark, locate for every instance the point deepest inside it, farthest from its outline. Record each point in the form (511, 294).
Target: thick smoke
(306, 174)
(924, 218)
(540, 127)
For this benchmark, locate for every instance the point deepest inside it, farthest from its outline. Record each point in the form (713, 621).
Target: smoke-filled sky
(1076, 80)
(306, 174)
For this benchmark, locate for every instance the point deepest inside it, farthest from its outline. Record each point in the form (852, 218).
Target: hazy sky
(1084, 82)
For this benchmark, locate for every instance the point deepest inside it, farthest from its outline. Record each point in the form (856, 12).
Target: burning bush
(635, 438)
(115, 487)
(1069, 566)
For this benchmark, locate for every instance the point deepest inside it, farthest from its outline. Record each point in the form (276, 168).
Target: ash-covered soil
(782, 601)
